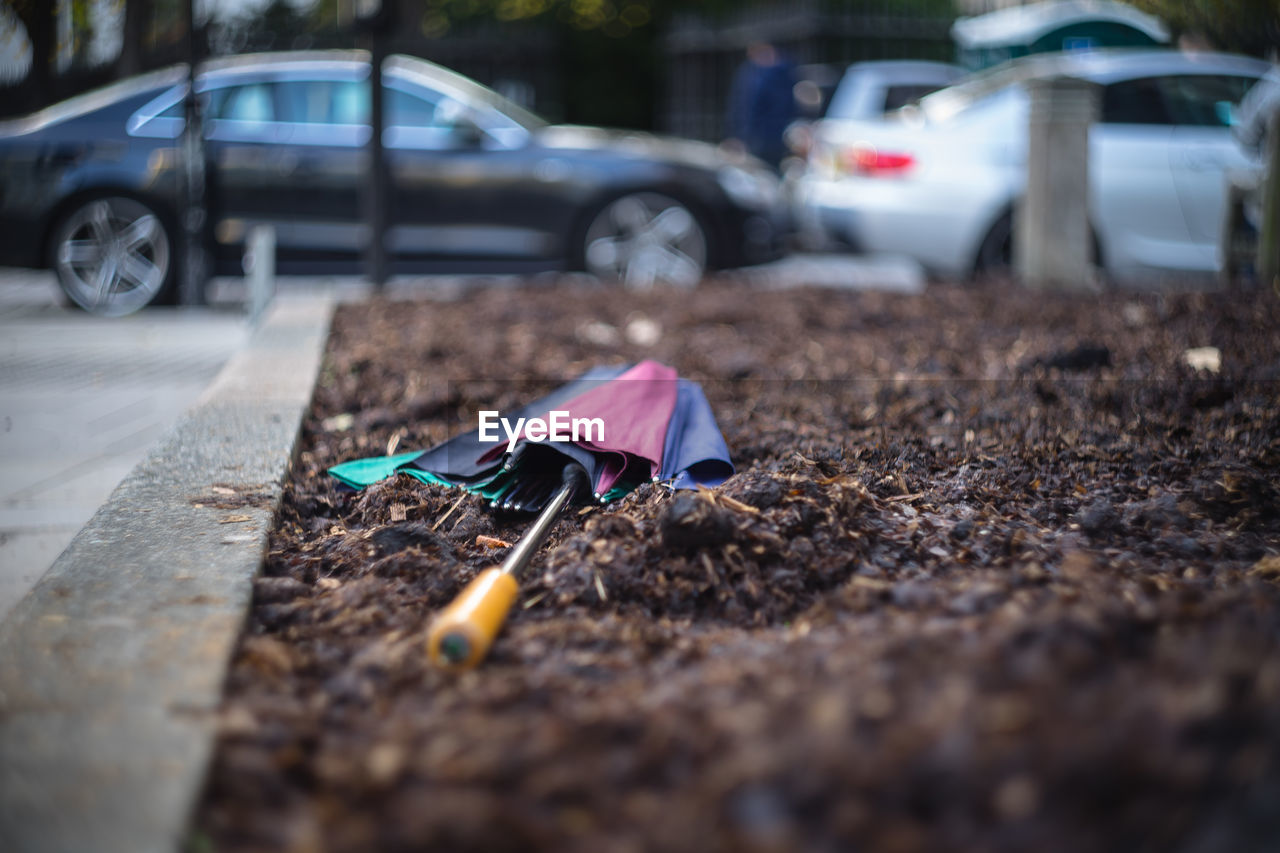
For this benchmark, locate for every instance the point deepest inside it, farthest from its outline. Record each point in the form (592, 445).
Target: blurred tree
(38, 18)
(136, 13)
(277, 26)
(1241, 26)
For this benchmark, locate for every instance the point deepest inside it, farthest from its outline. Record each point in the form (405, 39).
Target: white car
(867, 91)
(939, 181)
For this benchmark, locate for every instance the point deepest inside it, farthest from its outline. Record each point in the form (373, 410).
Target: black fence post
(195, 268)
(374, 18)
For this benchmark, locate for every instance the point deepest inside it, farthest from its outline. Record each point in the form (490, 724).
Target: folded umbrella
(634, 411)
(462, 460)
(655, 426)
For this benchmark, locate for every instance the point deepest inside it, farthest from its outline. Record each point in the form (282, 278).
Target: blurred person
(1250, 125)
(1260, 103)
(762, 103)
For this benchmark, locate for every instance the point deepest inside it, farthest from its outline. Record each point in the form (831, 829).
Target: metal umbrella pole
(461, 635)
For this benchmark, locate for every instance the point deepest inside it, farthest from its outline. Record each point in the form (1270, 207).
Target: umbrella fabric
(657, 426)
(635, 409)
(458, 461)
(465, 456)
(695, 454)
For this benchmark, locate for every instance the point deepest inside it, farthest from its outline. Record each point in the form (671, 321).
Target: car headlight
(750, 188)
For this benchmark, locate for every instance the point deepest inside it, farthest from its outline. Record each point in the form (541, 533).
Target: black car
(90, 186)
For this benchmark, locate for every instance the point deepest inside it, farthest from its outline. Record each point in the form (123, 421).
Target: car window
(176, 110)
(322, 102)
(1135, 102)
(412, 110)
(347, 102)
(1185, 99)
(1198, 99)
(897, 97)
(251, 103)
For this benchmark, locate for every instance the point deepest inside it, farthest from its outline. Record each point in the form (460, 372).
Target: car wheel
(113, 255)
(643, 238)
(995, 255)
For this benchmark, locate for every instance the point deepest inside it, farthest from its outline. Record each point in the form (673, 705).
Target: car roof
(429, 73)
(96, 99)
(1101, 66)
(905, 67)
(347, 61)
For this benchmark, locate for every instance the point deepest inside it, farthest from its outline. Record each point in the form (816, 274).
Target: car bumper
(941, 227)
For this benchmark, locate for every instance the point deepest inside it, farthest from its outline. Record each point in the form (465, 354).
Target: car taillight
(869, 161)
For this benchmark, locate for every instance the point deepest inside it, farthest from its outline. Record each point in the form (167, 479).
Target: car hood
(638, 144)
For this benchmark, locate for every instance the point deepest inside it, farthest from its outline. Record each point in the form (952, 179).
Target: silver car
(940, 181)
(867, 91)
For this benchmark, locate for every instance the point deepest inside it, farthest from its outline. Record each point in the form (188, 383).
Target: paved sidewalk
(81, 400)
(113, 664)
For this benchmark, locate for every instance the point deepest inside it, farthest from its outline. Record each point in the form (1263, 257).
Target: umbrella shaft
(523, 551)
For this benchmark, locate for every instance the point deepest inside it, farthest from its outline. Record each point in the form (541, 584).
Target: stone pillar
(1269, 228)
(1052, 242)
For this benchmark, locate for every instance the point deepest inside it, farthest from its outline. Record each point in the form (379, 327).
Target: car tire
(643, 238)
(113, 255)
(995, 254)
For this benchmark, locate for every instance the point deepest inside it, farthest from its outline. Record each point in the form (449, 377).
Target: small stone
(1208, 359)
(1098, 517)
(642, 332)
(598, 333)
(690, 522)
(1017, 798)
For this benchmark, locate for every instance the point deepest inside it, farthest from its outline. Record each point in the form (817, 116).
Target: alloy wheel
(645, 238)
(112, 256)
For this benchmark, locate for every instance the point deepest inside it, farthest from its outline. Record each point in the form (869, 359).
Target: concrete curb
(112, 667)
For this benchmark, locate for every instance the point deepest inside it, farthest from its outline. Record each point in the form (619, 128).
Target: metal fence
(702, 53)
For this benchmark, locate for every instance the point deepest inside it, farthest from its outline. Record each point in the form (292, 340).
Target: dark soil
(999, 572)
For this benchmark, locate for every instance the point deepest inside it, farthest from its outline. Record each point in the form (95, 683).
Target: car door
(467, 186)
(1204, 151)
(323, 166)
(1134, 201)
(243, 139)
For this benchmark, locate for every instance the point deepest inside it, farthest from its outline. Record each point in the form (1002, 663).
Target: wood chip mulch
(1000, 571)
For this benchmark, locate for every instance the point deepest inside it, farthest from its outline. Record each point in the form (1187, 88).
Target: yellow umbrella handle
(461, 635)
